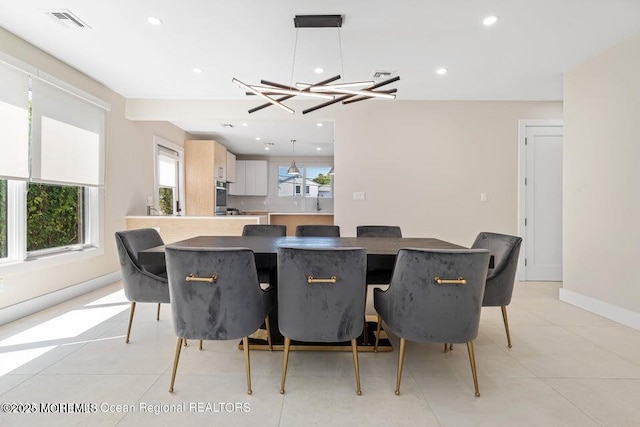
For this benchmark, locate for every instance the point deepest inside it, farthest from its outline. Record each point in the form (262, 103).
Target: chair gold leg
(378, 329)
(472, 359)
(506, 324)
(403, 342)
(446, 347)
(266, 323)
(356, 365)
(175, 364)
(200, 347)
(158, 313)
(131, 311)
(247, 362)
(185, 342)
(285, 362)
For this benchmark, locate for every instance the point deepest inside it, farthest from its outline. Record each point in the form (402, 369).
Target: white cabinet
(251, 178)
(238, 187)
(231, 167)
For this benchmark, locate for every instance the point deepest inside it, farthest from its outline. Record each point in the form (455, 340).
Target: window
(51, 168)
(315, 180)
(55, 217)
(168, 176)
(3, 218)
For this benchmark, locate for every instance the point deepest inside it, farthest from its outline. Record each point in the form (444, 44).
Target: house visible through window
(315, 180)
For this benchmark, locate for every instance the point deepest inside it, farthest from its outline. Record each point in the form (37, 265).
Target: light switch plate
(483, 197)
(359, 195)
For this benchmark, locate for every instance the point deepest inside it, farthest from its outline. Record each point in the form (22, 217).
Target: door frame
(522, 168)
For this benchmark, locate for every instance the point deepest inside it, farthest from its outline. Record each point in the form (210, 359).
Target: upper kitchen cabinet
(251, 178)
(231, 167)
(205, 162)
(220, 161)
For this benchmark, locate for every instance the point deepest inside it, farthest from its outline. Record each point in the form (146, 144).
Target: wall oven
(221, 198)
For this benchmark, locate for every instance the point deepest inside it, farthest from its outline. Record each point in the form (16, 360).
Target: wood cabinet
(220, 161)
(231, 167)
(251, 178)
(205, 162)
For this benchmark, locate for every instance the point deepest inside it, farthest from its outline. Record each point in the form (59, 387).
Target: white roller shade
(14, 123)
(167, 171)
(67, 138)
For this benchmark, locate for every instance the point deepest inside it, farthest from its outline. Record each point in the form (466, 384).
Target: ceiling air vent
(381, 75)
(226, 125)
(66, 18)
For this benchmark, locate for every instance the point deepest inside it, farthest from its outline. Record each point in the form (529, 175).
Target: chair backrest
(230, 307)
(505, 250)
(419, 309)
(318, 230)
(321, 312)
(142, 283)
(264, 230)
(378, 231)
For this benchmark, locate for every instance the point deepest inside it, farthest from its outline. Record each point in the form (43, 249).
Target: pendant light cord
(341, 60)
(293, 65)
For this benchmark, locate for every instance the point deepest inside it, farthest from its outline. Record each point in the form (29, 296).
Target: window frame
(159, 141)
(300, 190)
(18, 259)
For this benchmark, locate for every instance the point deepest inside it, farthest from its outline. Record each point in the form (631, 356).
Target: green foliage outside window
(322, 179)
(3, 218)
(165, 200)
(54, 216)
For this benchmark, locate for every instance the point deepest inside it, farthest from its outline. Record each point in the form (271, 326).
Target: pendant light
(293, 169)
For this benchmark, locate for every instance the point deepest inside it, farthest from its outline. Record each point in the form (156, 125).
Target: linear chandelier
(326, 90)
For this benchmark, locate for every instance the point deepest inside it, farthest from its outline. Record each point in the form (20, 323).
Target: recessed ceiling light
(319, 124)
(266, 147)
(490, 20)
(197, 70)
(319, 70)
(245, 125)
(258, 138)
(318, 148)
(441, 71)
(154, 20)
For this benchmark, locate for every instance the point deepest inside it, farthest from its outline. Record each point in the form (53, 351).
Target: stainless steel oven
(221, 198)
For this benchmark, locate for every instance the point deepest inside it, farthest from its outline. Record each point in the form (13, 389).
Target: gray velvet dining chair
(501, 278)
(378, 231)
(142, 283)
(321, 298)
(435, 296)
(267, 230)
(215, 295)
(317, 230)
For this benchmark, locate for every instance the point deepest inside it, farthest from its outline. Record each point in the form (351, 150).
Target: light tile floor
(567, 367)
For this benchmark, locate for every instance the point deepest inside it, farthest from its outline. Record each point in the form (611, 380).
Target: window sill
(18, 267)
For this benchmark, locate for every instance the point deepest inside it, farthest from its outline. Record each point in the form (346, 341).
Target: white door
(543, 203)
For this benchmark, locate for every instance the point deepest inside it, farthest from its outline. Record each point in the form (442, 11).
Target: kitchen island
(176, 228)
(293, 219)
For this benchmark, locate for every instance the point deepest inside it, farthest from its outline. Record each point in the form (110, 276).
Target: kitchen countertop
(223, 217)
(300, 213)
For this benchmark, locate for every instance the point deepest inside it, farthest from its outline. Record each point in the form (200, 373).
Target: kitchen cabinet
(251, 178)
(231, 167)
(203, 166)
(220, 161)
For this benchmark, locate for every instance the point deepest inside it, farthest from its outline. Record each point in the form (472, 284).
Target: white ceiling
(522, 57)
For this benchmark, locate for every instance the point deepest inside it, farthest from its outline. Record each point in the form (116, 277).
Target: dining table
(381, 255)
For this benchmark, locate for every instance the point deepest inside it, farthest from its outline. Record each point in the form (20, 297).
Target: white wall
(601, 179)
(422, 164)
(129, 177)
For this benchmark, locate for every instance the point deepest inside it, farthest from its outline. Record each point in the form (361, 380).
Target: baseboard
(604, 309)
(25, 308)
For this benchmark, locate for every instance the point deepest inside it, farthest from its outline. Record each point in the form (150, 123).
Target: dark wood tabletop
(375, 246)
